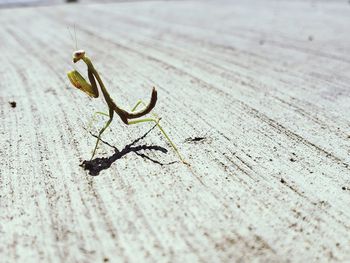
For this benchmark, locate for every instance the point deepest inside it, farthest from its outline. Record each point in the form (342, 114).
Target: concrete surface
(255, 94)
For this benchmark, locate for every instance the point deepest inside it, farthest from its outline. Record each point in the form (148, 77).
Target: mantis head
(77, 55)
(78, 80)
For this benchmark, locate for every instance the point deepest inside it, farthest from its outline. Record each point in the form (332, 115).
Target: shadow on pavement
(95, 166)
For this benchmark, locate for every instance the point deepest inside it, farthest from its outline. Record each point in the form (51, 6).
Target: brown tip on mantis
(127, 117)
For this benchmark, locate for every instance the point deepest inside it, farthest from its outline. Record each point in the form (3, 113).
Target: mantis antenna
(75, 36)
(71, 36)
(76, 42)
(91, 89)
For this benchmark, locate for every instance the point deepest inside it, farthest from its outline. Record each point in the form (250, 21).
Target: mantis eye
(77, 55)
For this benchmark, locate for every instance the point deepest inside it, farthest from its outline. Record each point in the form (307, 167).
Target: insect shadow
(95, 166)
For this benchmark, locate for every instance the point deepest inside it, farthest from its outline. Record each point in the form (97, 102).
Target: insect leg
(111, 113)
(139, 102)
(156, 121)
(93, 118)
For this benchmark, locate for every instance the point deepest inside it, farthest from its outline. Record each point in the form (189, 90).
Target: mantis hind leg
(156, 121)
(111, 112)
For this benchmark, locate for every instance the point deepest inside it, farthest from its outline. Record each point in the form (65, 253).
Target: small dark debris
(106, 260)
(292, 160)
(195, 139)
(344, 188)
(13, 104)
(50, 90)
(282, 181)
(293, 225)
(270, 160)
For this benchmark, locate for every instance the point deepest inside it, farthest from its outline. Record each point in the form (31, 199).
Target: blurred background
(16, 3)
(21, 3)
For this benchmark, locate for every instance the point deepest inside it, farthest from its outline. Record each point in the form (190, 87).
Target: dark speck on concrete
(13, 104)
(195, 139)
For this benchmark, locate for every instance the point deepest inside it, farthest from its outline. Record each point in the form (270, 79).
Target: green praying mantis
(91, 89)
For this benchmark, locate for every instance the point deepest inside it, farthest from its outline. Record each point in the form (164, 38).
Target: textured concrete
(256, 95)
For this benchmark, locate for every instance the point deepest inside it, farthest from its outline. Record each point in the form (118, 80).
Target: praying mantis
(91, 89)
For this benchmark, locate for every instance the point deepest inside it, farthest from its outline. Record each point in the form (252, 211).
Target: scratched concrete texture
(255, 94)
